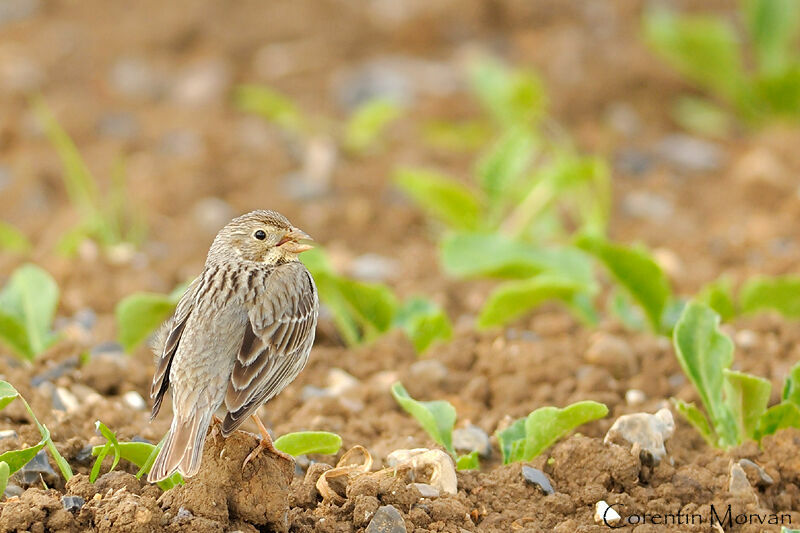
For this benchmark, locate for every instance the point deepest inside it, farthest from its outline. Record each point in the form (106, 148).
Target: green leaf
(139, 314)
(500, 169)
(5, 472)
(441, 197)
(704, 353)
(634, 270)
(455, 136)
(718, 295)
(368, 122)
(697, 419)
(437, 418)
(111, 444)
(424, 322)
(512, 441)
(620, 306)
(16, 459)
(468, 461)
(13, 335)
(773, 26)
(781, 294)
(510, 97)
(516, 298)
(546, 425)
(791, 389)
(31, 297)
(702, 117)
(702, 48)
(305, 442)
(746, 397)
(270, 105)
(781, 416)
(13, 240)
(7, 394)
(470, 255)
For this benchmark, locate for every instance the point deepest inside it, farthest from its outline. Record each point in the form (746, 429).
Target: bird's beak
(291, 241)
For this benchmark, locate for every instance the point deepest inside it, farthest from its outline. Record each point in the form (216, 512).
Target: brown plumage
(240, 334)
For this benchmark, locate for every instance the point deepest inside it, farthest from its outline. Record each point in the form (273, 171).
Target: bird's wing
(166, 344)
(277, 339)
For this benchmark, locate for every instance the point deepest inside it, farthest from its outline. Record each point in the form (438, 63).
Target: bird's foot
(265, 444)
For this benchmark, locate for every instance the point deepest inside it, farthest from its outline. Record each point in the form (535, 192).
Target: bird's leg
(265, 443)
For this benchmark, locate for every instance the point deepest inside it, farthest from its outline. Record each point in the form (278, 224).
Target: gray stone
(64, 400)
(538, 478)
(647, 205)
(107, 349)
(425, 490)
(201, 83)
(428, 371)
(36, 467)
(387, 519)
(313, 180)
(121, 126)
(84, 455)
(72, 503)
(762, 478)
(645, 433)
(85, 318)
(181, 143)
(738, 484)
(13, 490)
(135, 78)
(688, 153)
(375, 79)
(16, 10)
(472, 438)
(8, 434)
(52, 374)
(134, 400)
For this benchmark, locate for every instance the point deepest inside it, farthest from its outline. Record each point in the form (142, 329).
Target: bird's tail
(183, 448)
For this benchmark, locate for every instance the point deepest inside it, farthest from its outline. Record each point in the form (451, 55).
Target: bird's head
(261, 236)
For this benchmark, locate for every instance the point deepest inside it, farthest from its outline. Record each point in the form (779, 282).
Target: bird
(241, 333)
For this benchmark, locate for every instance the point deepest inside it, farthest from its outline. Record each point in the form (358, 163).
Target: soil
(193, 162)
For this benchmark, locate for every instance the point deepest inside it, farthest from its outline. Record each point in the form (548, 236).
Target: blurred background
(185, 114)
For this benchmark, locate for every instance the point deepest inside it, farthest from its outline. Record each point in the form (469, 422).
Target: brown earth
(738, 218)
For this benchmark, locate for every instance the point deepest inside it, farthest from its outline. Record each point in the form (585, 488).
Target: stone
(442, 468)
(134, 77)
(647, 205)
(72, 503)
(691, 154)
(738, 484)
(634, 397)
(313, 180)
(756, 473)
(387, 519)
(121, 126)
(538, 478)
(52, 374)
(108, 348)
(134, 400)
(36, 467)
(429, 371)
(64, 400)
(425, 490)
(633, 162)
(379, 78)
(472, 438)
(186, 144)
(201, 83)
(8, 434)
(611, 352)
(13, 490)
(605, 514)
(645, 433)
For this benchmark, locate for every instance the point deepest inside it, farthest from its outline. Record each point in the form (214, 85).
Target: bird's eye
(260, 235)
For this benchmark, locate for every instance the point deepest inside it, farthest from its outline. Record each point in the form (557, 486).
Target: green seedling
(437, 418)
(364, 311)
(781, 294)
(16, 459)
(718, 295)
(139, 314)
(143, 454)
(528, 437)
(361, 132)
(27, 307)
(708, 51)
(13, 240)
(735, 403)
(637, 273)
(108, 219)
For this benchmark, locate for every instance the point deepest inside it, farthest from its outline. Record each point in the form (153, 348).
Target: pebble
(645, 432)
(16, 10)
(373, 267)
(605, 514)
(538, 478)
(181, 143)
(425, 490)
(387, 519)
(39, 465)
(8, 434)
(84, 455)
(634, 397)
(762, 478)
(64, 400)
(135, 78)
(340, 382)
(623, 118)
(427, 371)
(211, 213)
(108, 348)
(688, 153)
(134, 400)
(52, 374)
(647, 206)
(611, 352)
(379, 78)
(633, 162)
(472, 438)
(443, 475)
(13, 490)
(120, 126)
(72, 503)
(746, 338)
(314, 178)
(202, 83)
(86, 318)
(738, 484)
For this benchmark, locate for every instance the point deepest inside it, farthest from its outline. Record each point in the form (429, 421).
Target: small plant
(708, 52)
(364, 311)
(735, 403)
(139, 314)
(527, 437)
(361, 132)
(12, 461)
(756, 295)
(143, 454)
(13, 240)
(437, 418)
(27, 307)
(108, 219)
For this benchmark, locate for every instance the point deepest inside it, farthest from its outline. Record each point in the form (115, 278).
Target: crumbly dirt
(738, 219)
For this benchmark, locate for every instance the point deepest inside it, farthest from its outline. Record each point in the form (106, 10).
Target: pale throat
(277, 255)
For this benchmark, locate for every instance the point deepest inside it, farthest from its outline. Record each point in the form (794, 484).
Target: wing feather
(276, 342)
